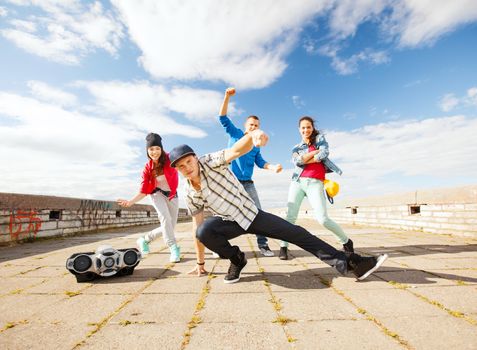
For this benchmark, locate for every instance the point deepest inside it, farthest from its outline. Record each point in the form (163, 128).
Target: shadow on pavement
(139, 275)
(306, 280)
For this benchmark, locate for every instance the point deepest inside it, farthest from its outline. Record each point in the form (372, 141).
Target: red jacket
(148, 183)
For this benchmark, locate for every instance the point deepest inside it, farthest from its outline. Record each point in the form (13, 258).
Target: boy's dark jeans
(215, 234)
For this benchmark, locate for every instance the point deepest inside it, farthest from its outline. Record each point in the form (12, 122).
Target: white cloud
(48, 93)
(413, 22)
(401, 23)
(59, 147)
(389, 158)
(311, 46)
(66, 31)
(46, 149)
(434, 148)
(347, 15)
(449, 101)
(27, 26)
(3, 11)
(415, 83)
(471, 98)
(243, 43)
(422, 22)
(152, 106)
(298, 102)
(346, 66)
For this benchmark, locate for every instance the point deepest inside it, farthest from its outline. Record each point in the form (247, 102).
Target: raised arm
(229, 127)
(225, 104)
(256, 138)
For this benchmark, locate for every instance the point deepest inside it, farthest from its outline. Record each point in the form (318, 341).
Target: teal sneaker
(143, 246)
(175, 253)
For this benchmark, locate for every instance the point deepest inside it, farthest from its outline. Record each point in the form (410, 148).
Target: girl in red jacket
(159, 180)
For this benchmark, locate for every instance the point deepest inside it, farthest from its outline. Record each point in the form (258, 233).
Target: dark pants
(215, 234)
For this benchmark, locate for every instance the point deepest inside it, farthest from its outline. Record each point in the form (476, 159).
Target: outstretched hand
(259, 138)
(276, 168)
(124, 203)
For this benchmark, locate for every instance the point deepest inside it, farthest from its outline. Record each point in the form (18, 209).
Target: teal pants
(313, 189)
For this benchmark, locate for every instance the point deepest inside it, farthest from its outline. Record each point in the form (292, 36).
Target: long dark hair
(160, 162)
(315, 131)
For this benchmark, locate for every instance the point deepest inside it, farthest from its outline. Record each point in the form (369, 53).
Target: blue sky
(393, 84)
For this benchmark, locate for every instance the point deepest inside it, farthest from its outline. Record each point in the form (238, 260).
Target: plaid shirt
(221, 193)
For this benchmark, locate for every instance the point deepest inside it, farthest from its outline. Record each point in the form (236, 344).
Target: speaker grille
(82, 263)
(130, 257)
(109, 262)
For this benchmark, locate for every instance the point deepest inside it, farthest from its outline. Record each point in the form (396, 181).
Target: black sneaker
(283, 255)
(348, 246)
(237, 263)
(363, 266)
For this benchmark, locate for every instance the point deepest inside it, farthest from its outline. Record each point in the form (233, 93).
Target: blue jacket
(302, 148)
(242, 167)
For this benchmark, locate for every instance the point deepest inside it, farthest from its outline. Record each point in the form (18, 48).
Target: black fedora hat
(179, 152)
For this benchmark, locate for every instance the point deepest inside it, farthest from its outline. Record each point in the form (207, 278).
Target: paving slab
(44, 335)
(19, 307)
(176, 285)
(466, 275)
(382, 303)
(159, 308)
(55, 285)
(81, 309)
(313, 305)
(17, 284)
(460, 298)
(138, 336)
(340, 334)
(423, 297)
(232, 336)
(252, 283)
(226, 308)
(433, 332)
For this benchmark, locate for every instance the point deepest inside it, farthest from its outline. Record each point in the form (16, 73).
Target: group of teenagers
(229, 194)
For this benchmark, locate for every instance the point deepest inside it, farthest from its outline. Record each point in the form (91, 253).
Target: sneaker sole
(268, 254)
(235, 280)
(232, 281)
(381, 259)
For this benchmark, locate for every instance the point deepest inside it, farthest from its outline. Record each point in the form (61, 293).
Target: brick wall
(444, 211)
(27, 217)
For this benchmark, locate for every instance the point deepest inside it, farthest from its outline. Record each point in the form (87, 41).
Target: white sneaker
(265, 251)
(143, 246)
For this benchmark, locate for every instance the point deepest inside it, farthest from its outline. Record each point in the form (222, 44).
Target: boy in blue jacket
(243, 166)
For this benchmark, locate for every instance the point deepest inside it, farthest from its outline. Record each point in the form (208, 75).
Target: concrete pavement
(424, 297)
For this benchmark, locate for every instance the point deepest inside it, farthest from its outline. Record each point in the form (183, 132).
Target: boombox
(105, 262)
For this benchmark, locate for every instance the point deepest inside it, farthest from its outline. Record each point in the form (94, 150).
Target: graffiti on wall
(87, 204)
(24, 224)
(94, 213)
(93, 219)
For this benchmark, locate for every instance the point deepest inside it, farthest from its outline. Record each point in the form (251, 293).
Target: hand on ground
(198, 270)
